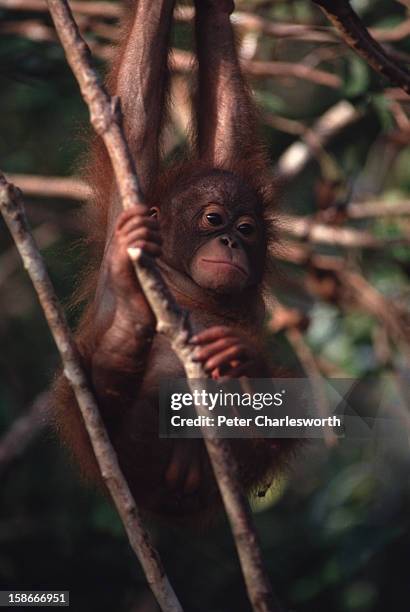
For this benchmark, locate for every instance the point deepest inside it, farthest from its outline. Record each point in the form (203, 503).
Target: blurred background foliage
(335, 529)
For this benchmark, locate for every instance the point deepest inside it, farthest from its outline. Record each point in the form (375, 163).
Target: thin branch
(396, 321)
(283, 124)
(292, 321)
(355, 34)
(384, 353)
(348, 288)
(31, 29)
(105, 117)
(309, 229)
(289, 70)
(184, 61)
(378, 208)
(395, 93)
(308, 362)
(244, 20)
(399, 32)
(23, 431)
(296, 157)
(45, 235)
(401, 118)
(305, 32)
(300, 253)
(293, 31)
(302, 227)
(39, 32)
(69, 188)
(255, 23)
(95, 8)
(11, 206)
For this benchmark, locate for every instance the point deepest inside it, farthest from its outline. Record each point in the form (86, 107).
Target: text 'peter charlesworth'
(258, 421)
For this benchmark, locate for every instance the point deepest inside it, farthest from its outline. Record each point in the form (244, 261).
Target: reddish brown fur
(127, 387)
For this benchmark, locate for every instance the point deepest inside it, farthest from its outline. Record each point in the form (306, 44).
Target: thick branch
(355, 34)
(11, 206)
(171, 321)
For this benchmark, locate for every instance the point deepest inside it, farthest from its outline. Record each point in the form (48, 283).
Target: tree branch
(11, 206)
(244, 20)
(378, 208)
(71, 188)
(295, 158)
(65, 187)
(184, 61)
(355, 34)
(45, 235)
(23, 431)
(309, 229)
(106, 119)
(308, 362)
(396, 321)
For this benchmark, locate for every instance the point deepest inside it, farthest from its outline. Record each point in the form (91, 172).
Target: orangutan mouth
(227, 263)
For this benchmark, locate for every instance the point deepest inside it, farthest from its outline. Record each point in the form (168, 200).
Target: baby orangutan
(207, 226)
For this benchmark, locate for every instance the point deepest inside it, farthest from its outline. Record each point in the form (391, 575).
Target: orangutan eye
(246, 229)
(214, 219)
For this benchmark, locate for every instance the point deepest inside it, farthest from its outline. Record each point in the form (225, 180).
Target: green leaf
(357, 78)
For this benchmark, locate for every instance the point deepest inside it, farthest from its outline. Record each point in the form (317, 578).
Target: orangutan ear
(154, 212)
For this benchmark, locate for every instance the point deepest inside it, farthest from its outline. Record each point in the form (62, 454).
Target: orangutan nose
(229, 242)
